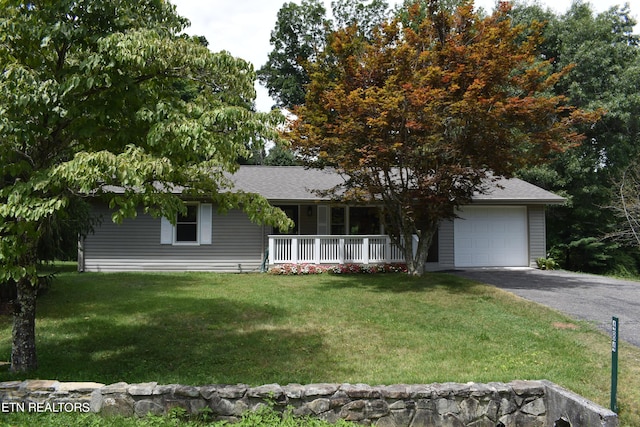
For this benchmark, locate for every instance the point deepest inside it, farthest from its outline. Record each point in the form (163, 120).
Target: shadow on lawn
(177, 339)
(398, 283)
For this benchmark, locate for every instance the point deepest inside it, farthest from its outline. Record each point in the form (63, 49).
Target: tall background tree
(301, 34)
(606, 74)
(426, 112)
(298, 37)
(99, 94)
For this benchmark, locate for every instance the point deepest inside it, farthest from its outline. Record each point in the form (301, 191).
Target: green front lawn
(200, 328)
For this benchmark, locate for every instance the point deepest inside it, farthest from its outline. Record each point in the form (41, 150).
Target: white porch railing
(372, 249)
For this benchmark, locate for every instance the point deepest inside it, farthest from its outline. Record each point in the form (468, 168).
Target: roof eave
(518, 201)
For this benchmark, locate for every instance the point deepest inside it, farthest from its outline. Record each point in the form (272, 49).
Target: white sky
(243, 27)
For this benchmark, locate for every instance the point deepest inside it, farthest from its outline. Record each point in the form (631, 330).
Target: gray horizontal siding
(134, 245)
(237, 245)
(537, 234)
(446, 255)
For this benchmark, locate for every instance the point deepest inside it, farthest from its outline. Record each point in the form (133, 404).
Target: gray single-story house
(503, 228)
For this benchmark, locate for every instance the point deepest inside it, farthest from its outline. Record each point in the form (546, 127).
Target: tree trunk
(415, 268)
(23, 352)
(416, 262)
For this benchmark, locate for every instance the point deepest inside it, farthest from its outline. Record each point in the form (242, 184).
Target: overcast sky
(243, 27)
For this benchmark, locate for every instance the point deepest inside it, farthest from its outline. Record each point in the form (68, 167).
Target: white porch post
(294, 250)
(365, 250)
(341, 250)
(272, 249)
(387, 249)
(316, 250)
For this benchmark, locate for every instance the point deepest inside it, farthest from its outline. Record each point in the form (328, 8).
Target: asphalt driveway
(582, 296)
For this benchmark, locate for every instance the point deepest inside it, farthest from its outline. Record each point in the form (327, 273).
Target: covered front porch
(333, 249)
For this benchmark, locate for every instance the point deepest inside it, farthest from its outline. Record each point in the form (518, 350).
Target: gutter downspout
(263, 268)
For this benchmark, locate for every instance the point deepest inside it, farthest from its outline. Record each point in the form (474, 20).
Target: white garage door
(488, 236)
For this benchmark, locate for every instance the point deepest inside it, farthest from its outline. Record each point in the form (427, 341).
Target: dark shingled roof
(296, 183)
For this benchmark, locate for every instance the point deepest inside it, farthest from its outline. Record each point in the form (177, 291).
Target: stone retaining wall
(519, 403)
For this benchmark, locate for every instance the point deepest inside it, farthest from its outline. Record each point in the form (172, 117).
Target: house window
(364, 220)
(187, 226)
(355, 220)
(193, 228)
(292, 212)
(338, 221)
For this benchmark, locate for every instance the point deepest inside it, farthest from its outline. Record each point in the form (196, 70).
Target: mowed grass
(202, 328)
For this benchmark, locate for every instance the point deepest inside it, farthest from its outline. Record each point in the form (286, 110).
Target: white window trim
(204, 220)
(205, 224)
(175, 229)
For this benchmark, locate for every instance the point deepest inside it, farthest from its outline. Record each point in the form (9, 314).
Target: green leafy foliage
(301, 33)
(546, 263)
(280, 156)
(107, 100)
(605, 75)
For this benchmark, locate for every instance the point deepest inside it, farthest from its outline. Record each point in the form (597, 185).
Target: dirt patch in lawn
(560, 325)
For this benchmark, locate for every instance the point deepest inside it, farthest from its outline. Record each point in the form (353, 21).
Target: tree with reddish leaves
(429, 111)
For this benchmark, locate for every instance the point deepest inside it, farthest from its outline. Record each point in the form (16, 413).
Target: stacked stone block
(519, 403)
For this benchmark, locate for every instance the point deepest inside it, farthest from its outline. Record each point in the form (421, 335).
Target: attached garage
(491, 236)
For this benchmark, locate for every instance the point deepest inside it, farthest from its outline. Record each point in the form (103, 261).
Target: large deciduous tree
(606, 75)
(97, 94)
(301, 34)
(298, 37)
(424, 114)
